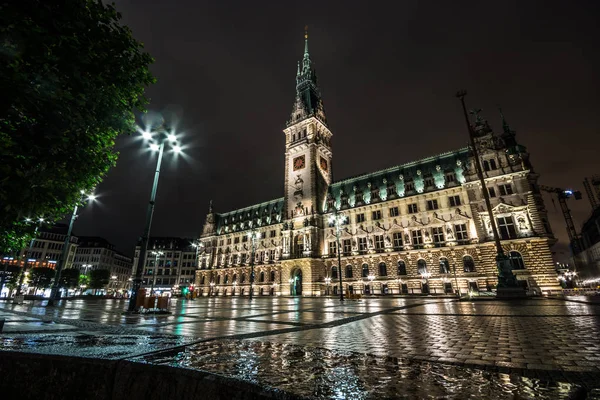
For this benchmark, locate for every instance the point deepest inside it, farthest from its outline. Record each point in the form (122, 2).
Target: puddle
(324, 374)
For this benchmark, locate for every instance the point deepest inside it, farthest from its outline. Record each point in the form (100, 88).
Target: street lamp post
(337, 220)
(55, 291)
(456, 281)
(371, 278)
(252, 237)
(22, 276)
(156, 254)
(163, 136)
(426, 275)
(506, 278)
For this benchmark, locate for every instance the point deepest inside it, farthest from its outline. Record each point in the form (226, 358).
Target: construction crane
(563, 195)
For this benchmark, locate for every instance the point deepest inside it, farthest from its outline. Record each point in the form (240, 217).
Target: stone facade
(420, 227)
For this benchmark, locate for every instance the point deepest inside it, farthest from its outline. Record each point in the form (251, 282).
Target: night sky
(226, 72)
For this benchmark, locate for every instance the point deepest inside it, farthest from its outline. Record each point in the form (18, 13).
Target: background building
(420, 227)
(588, 260)
(98, 253)
(48, 246)
(171, 263)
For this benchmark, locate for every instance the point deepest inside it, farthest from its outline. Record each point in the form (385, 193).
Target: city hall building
(420, 227)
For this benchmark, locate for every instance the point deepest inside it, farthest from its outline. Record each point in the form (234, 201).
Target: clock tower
(307, 148)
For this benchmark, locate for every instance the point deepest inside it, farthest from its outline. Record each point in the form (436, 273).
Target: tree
(84, 281)
(99, 278)
(69, 278)
(71, 78)
(40, 278)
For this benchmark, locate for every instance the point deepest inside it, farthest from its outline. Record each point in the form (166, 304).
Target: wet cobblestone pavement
(430, 347)
(317, 373)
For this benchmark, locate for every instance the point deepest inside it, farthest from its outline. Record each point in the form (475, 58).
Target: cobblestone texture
(537, 334)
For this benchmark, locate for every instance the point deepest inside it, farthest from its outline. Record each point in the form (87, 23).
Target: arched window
(421, 266)
(334, 272)
(382, 269)
(272, 276)
(401, 267)
(243, 278)
(234, 279)
(348, 271)
(226, 279)
(365, 270)
(486, 166)
(218, 279)
(444, 266)
(262, 276)
(516, 260)
(468, 264)
(492, 164)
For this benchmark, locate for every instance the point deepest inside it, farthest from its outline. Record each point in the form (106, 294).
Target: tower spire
(308, 97)
(505, 126)
(306, 41)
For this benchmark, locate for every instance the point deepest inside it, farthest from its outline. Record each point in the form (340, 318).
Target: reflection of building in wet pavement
(418, 227)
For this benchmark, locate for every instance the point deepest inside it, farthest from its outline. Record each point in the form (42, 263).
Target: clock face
(298, 163)
(323, 164)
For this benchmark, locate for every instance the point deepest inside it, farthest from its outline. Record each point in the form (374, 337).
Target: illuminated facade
(98, 253)
(420, 227)
(170, 263)
(48, 247)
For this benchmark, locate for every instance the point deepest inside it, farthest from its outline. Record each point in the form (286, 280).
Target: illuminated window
(438, 235)
(347, 246)
(468, 264)
(348, 271)
(421, 266)
(505, 190)
(517, 260)
(379, 242)
(332, 248)
(365, 270)
(432, 205)
(397, 240)
(417, 238)
(506, 228)
(444, 266)
(362, 244)
(401, 267)
(454, 201)
(461, 232)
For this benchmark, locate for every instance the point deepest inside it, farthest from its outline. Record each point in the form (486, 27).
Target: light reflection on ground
(324, 374)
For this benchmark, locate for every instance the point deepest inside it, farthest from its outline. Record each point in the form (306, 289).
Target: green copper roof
(394, 182)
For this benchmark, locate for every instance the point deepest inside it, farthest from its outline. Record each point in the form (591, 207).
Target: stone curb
(41, 376)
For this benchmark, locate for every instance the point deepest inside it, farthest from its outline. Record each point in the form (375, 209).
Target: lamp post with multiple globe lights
(27, 255)
(337, 220)
(252, 237)
(55, 291)
(157, 139)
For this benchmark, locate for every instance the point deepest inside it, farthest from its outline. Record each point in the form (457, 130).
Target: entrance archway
(296, 282)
